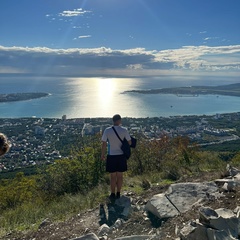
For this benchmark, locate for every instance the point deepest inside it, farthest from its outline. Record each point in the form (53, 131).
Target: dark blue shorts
(116, 163)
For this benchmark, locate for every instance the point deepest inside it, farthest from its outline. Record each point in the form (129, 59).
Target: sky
(120, 38)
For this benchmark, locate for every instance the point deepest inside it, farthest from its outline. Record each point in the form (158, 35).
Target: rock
(220, 224)
(184, 195)
(136, 237)
(180, 198)
(221, 219)
(44, 223)
(205, 213)
(213, 234)
(118, 223)
(237, 211)
(103, 230)
(160, 206)
(198, 231)
(232, 171)
(229, 186)
(125, 203)
(237, 177)
(90, 236)
(194, 231)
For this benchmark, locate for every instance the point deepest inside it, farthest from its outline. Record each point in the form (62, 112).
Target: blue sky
(120, 37)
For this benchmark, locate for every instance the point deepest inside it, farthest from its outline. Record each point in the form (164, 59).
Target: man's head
(116, 119)
(4, 144)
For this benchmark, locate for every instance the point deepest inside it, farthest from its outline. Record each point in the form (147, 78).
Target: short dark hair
(116, 117)
(4, 144)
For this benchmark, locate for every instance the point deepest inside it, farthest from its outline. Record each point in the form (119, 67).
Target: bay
(103, 97)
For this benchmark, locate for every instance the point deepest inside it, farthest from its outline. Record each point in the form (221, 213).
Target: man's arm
(104, 147)
(128, 137)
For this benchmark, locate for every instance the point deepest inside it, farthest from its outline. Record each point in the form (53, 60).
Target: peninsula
(229, 90)
(12, 97)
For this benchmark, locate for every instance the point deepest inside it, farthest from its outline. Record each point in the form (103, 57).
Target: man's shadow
(109, 217)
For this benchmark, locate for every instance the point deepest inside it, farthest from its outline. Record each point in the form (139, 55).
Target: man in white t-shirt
(116, 162)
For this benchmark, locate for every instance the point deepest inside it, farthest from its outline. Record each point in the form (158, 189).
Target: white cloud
(129, 62)
(73, 13)
(210, 38)
(85, 36)
(135, 66)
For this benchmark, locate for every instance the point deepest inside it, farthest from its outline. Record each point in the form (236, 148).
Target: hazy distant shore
(12, 97)
(228, 90)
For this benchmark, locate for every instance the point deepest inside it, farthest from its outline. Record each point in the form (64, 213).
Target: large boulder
(160, 206)
(179, 198)
(185, 195)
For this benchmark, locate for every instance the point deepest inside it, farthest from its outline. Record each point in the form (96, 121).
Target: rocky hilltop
(11, 97)
(198, 208)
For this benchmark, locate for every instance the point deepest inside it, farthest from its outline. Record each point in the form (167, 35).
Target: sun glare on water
(106, 88)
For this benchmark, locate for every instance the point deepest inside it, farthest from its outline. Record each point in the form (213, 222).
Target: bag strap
(117, 134)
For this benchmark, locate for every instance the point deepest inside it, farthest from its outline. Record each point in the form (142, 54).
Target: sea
(104, 97)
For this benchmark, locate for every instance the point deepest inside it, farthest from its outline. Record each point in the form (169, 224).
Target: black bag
(126, 148)
(134, 142)
(125, 145)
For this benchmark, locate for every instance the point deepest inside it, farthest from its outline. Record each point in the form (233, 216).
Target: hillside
(71, 194)
(138, 222)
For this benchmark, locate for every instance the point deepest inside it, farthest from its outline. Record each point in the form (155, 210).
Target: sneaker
(112, 196)
(118, 195)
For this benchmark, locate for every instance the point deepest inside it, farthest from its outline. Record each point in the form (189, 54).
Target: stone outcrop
(219, 224)
(180, 198)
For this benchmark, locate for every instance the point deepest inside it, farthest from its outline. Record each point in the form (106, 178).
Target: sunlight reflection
(106, 88)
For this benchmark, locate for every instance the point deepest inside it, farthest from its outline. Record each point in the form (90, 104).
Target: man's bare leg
(119, 182)
(113, 182)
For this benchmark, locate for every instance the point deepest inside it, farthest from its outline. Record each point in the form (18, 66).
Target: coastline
(227, 90)
(13, 97)
(85, 101)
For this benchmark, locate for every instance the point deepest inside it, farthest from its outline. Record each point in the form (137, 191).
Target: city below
(38, 141)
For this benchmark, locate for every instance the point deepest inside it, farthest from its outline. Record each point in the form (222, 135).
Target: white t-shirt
(114, 144)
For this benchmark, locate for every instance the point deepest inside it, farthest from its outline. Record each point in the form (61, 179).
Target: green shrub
(79, 174)
(236, 160)
(18, 191)
(171, 158)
